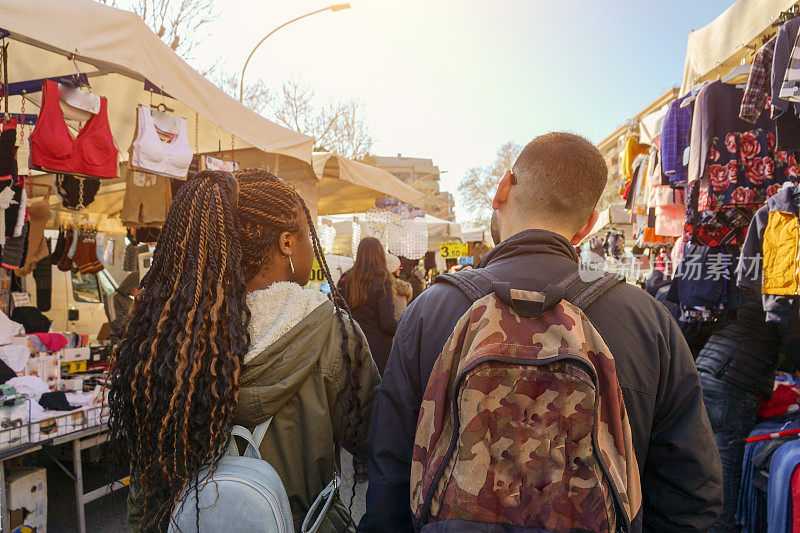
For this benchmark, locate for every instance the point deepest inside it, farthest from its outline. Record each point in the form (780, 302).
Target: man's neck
(513, 229)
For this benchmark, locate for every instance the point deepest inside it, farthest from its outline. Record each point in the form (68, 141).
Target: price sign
(21, 299)
(317, 274)
(453, 249)
(468, 260)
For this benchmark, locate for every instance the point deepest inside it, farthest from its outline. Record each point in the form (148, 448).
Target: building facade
(611, 147)
(423, 175)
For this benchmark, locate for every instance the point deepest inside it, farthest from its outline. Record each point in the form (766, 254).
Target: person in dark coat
(543, 207)
(368, 288)
(410, 273)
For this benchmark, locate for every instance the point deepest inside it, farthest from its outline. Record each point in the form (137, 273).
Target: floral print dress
(743, 170)
(734, 166)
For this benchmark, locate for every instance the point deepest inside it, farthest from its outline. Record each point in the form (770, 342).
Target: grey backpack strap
(253, 440)
(585, 293)
(475, 283)
(581, 288)
(325, 499)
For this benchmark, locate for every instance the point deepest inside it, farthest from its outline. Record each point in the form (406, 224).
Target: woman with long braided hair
(222, 332)
(309, 365)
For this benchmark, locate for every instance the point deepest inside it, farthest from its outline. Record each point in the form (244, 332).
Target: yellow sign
(317, 274)
(73, 366)
(453, 249)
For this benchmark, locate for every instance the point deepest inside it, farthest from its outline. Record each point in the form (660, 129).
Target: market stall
(347, 186)
(116, 61)
(101, 124)
(51, 394)
(118, 55)
(351, 228)
(712, 187)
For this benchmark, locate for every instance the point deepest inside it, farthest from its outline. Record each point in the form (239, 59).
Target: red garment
(91, 154)
(627, 190)
(782, 398)
(796, 500)
(53, 341)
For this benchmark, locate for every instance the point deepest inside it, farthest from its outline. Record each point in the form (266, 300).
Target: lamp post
(335, 7)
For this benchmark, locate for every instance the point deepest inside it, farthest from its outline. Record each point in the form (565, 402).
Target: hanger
(81, 81)
(693, 93)
(784, 16)
(162, 107)
(738, 70)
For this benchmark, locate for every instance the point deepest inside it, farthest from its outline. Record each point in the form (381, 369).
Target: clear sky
(452, 80)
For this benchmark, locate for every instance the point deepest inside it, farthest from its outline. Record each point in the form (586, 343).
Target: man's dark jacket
(678, 459)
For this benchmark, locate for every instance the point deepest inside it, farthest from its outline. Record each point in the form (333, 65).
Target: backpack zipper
(426, 508)
(266, 493)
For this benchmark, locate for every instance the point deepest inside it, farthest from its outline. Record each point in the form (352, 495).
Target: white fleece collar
(277, 309)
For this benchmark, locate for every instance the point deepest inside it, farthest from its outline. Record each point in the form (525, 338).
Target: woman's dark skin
(296, 246)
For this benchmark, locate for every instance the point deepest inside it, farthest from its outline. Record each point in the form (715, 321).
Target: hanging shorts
(146, 201)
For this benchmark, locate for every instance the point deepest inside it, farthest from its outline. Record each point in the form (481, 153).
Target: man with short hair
(543, 207)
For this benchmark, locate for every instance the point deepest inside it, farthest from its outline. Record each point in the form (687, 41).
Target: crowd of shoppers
(221, 332)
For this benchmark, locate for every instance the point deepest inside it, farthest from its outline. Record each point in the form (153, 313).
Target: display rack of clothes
(770, 260)
(159, 155)
(630, 152)
(733, 168)
(76, 249)
(770, 483)
(92, 153)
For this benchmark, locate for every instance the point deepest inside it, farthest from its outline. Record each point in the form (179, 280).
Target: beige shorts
(146, 201)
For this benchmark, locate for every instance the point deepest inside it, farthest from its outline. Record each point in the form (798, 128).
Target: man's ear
(285, 243)
(585, 229)
(503, 190)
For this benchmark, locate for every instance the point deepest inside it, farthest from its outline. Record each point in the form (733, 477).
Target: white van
(76, 300)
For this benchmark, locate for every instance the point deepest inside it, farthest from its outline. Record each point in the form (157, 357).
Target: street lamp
(335, 7)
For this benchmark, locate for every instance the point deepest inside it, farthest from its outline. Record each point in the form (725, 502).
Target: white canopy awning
(650, 126)
(469, 234)
(348, 186)
(120, 55)
(439, 230)
(721, 45)
(614, 216)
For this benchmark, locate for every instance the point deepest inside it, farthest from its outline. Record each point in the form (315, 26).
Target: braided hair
(268, 207)
(175, 374)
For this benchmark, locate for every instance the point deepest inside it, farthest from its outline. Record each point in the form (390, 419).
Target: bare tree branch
(477, 187)
(337, 126)
(178, 23)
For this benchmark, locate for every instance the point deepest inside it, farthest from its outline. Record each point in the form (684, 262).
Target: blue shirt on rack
(675, 140)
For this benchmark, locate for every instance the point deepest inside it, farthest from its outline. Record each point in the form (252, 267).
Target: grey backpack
(245, 494)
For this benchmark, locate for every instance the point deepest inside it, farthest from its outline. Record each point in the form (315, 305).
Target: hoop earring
(291, 265)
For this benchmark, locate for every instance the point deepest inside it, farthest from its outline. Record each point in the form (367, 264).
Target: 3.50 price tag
(453, 249)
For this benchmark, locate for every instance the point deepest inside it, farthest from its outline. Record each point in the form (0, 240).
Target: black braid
(267, 207)
(350, 398)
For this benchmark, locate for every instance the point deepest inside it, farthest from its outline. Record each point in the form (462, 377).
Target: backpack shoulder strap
(253, 440)
(583, 292)
(572, 287)
(475, 283)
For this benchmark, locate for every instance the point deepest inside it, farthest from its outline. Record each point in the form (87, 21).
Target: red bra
(91, 154)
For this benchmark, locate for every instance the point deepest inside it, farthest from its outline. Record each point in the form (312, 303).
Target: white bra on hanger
(151, 154)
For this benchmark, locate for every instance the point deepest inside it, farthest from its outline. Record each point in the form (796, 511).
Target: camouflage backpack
(523, 423)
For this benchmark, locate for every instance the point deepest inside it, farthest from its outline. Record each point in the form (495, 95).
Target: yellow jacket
(781, 246)
(632, 149)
